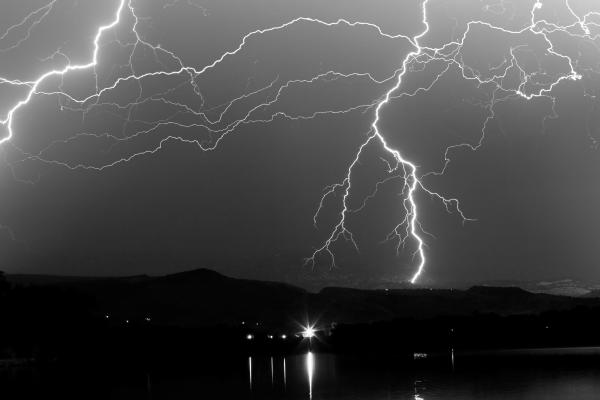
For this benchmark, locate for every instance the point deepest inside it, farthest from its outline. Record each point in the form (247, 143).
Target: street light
(308, 332)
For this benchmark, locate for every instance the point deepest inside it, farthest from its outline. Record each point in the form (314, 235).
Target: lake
(551, 374)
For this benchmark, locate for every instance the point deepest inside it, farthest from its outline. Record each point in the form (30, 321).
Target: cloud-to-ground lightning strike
(411, 180)
(214, 129)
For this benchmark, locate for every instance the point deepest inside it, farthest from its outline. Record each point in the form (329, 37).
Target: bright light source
(270, 336)
(309, 332)
(284, 336)
(249, 336)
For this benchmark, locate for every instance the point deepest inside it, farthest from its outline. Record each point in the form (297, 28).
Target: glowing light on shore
(309, 332)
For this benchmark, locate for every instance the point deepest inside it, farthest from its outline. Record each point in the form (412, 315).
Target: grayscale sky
(169, 166)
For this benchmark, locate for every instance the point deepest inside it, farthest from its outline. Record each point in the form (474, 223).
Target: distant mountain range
(204, 297)
(561, 287)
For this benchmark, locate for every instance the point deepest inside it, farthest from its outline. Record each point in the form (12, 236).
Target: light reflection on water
(272, 373)
(310, 370)
(317, 376)
(284, 374)
(250, 371)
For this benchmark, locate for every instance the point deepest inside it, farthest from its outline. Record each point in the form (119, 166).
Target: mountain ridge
(203, 297)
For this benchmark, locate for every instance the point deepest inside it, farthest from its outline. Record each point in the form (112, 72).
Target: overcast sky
(123, 184)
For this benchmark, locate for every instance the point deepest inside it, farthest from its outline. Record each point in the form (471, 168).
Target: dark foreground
(151, 322)
(203, 335)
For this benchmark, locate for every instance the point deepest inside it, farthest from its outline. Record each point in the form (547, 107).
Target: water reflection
(419, 388)
(340, 377)
(310, 370)
(433, 378)
(257, 373)
(250, 371)
(149, 386)
(284, 374)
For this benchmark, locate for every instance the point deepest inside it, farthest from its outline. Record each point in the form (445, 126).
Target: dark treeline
(42, 322)
(479, 331)
(50, 324)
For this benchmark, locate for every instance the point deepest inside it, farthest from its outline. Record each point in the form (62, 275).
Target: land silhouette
(153, 321)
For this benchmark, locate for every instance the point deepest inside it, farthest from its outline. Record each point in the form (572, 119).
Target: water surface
(543, 374)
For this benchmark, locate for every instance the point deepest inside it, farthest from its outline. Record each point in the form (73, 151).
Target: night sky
(124, 184)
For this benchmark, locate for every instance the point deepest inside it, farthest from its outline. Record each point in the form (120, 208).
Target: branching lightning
(261, 103)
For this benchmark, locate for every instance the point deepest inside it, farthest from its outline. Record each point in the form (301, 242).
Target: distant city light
(107, 316)
(249, 336)
(284, 336)
(270, 336)
(148, 319)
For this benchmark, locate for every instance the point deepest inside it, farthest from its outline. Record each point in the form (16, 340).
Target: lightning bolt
(409, 227)
(261, 104)
(8, 121)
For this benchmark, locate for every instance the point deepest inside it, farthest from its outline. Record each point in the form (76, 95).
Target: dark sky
(74, 200)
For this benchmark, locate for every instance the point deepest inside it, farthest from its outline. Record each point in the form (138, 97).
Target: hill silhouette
(204, 297)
